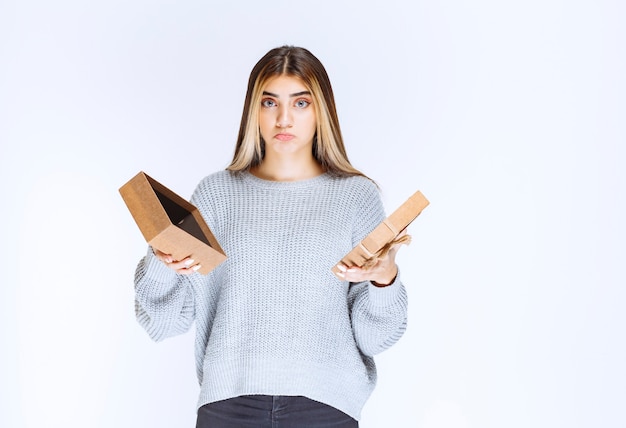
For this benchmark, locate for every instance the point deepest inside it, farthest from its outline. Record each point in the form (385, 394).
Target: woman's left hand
(381, 274)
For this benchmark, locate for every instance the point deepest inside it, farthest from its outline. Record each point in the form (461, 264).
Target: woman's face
(287, 119)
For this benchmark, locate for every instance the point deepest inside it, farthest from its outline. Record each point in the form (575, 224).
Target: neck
(285, 169)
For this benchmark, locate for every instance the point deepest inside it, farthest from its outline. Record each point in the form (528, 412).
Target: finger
(342, 270)
(165, 258)
(188, 271)
(185, 266)
(354, 274)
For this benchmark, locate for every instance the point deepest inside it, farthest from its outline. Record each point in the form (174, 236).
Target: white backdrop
(509, 116)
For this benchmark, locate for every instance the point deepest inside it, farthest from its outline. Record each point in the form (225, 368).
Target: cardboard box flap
(170, 223)
(149, 214)
(407, 212)
(385, 232)
(378, 237)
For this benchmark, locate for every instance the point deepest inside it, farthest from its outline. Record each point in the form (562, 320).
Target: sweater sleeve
(164, 300)
(379, 314)
(164, 303)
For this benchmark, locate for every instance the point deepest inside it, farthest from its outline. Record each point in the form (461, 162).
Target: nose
(284, 119)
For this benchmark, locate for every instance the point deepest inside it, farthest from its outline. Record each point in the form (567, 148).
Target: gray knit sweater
(273, 319)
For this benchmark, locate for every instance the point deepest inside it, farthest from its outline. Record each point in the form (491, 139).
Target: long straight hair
(328, 148)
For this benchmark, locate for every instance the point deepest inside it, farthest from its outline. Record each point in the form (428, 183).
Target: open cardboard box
(385, 232)
(170, 223)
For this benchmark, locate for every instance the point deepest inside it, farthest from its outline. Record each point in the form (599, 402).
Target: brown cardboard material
(170, 223)
(385, 232)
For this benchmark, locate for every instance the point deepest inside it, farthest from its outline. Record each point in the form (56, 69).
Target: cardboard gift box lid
(385, 232)
(170, 223)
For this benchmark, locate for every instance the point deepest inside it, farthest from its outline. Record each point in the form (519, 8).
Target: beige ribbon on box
(373, 258)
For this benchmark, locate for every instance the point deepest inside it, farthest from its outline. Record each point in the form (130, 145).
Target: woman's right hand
(185, 266)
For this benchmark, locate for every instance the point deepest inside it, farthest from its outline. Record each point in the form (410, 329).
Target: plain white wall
(509, 116)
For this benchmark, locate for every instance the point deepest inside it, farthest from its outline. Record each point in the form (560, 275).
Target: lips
(284, 137)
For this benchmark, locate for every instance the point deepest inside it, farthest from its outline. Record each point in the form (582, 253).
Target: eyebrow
(296, 94)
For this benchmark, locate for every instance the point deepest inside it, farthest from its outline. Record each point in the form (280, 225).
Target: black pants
(265, 411)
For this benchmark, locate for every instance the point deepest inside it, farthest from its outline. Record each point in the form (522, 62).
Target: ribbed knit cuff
(388, 295)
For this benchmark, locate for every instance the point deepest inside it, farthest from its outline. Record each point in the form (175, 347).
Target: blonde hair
(328, 147)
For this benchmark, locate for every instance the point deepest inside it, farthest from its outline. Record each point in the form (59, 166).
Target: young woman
(279, 338)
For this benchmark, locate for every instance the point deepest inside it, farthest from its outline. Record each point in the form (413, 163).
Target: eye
(268, 103)
(302, 103)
